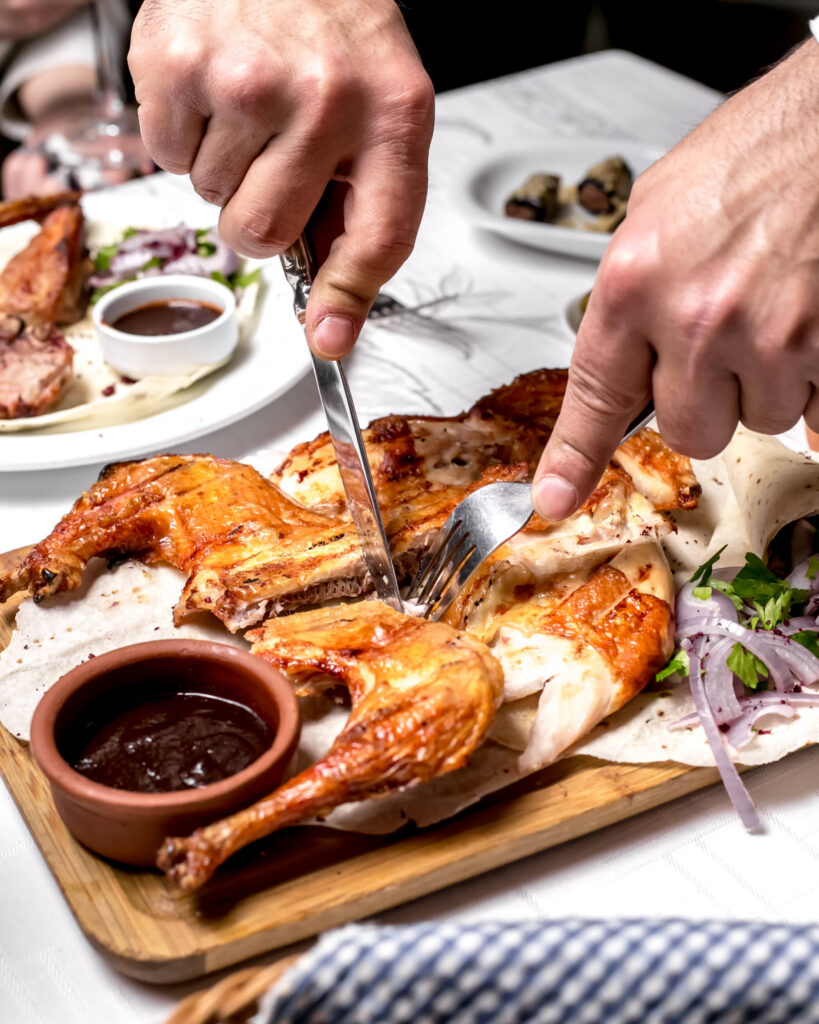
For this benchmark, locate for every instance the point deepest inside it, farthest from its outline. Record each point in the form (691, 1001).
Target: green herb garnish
(677, 665)
(751, 670)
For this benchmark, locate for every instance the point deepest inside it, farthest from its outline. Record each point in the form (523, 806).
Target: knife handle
(299, 263)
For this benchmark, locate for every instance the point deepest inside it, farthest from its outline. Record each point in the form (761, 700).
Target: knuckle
(599, 394)
(210, 190)
(767, 419)
(414, 102)
(624, 273)
(177, 65)
(162, 145)
(247, 84)
(254, 235)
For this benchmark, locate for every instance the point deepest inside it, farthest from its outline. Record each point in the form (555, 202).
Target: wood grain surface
(302, 881)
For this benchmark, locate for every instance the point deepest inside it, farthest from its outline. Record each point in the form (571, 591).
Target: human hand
(20, 19)
(264, 102)
(708, 294)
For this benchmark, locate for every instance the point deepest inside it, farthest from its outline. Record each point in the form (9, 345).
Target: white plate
(267, 363)
(482, 188)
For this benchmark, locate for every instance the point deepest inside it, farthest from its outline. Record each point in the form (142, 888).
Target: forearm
(47, 92)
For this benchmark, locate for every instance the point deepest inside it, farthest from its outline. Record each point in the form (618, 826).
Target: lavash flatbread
(98, 395)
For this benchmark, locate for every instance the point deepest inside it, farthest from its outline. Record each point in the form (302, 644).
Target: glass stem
(110, 84)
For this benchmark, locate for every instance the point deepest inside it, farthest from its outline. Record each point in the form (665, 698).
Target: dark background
(720, 43)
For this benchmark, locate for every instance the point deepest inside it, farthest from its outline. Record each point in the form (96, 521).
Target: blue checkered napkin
(578, 971)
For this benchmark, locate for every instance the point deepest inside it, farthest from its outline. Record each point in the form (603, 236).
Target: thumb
(608, 384)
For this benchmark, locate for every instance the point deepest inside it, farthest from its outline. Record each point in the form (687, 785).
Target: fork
(478, 525)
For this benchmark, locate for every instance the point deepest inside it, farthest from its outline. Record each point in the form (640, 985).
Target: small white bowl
(166, 355)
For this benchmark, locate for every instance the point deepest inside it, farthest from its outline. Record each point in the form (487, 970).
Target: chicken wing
(423, 699)
(44, 283)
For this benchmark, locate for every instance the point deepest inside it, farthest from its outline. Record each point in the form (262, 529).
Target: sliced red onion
(773, 703)
(798, 578)
(124, 263)
(719, 680)
(755, 641)
(179, 239)
(737, 792)
(224, 261)
(803, 663)
(692, 610)
(798, 624)
(742, 731)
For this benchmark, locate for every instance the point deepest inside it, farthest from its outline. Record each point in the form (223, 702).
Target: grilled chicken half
(423, 699)
(40, 287)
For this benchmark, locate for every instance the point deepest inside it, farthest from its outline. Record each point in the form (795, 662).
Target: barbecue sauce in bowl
(170, 741)
(167, 316)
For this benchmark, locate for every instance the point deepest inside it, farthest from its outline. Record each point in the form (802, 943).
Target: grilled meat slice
(36, 366)
(423, 699)
(45, 282)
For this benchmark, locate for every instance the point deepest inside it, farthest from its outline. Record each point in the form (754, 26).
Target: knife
(299, 264)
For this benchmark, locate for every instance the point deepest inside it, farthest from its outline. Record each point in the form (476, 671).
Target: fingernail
(333, 336)
(555, 498)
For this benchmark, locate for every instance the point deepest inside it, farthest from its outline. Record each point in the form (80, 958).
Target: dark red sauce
(167, 316)
(171, 741)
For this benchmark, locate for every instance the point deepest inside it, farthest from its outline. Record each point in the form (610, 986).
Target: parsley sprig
(762, 599)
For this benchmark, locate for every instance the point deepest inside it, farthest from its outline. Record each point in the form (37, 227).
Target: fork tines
(448, 564)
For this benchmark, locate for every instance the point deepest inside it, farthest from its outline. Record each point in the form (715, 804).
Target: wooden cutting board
(303, 881)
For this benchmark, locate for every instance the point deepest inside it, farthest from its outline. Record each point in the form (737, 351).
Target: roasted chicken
(44, 283)
(40, 287)
(579, 648)
(423, 699)
(577, 613)
(508, 426)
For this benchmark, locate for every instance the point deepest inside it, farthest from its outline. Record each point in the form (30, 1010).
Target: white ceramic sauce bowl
(166, 355)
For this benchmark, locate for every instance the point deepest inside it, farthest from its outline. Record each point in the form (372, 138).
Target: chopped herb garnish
(808, 638)
(238, 280)
(677, 665)
(703, 574)
(751, 670)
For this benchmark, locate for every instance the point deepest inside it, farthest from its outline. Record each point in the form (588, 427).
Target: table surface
(497, 309)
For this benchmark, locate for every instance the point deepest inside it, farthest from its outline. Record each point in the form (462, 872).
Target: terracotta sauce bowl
(128, 826)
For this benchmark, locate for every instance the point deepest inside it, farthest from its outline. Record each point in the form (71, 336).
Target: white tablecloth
(690, 858)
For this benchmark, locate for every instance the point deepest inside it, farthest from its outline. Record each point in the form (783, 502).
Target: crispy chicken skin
(204, 515)
(424, 697)
(249, 550)
(550, 606)
(577, 656)
(44, 283)
(509, 425)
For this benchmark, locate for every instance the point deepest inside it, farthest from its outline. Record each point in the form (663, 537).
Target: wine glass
(92, 144)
